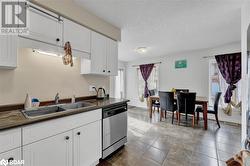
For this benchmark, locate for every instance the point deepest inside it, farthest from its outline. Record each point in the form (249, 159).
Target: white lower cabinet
(52, 151)
(87, 144)
(70, 141)
(12, 155)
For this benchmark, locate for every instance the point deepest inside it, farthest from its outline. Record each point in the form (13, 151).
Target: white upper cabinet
(8, 51)
(77, 35)
(104, 56)
(112, 57)
(44, 26)
(98, 53)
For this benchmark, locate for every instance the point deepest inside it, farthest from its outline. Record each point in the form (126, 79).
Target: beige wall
(42, 76)
(69, 9)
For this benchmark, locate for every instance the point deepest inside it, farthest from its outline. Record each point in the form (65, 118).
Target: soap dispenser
(73, 99)
(27, 103)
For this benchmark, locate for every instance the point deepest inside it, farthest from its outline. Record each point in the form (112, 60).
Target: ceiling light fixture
(141, 50)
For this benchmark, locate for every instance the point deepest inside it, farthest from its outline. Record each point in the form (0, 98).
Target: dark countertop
(15, 118)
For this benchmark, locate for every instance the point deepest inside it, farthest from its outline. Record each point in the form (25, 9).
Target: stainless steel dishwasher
(114, 128)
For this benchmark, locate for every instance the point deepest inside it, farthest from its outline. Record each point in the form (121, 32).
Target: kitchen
(72, 126)
(115, 82)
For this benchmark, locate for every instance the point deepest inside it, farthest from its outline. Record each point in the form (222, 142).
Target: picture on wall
(181, 64)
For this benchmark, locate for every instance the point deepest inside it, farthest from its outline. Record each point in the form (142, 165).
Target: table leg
(149, 101)
(205, 115)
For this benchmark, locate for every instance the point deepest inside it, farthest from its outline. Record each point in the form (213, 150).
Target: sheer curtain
(153, 82)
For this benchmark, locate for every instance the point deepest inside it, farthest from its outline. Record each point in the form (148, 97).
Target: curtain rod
(145, 64)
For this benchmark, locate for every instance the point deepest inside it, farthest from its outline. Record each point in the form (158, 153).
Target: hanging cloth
(67, 58)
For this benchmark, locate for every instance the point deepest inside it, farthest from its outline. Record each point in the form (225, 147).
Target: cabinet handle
(67, 137)
(10, 159)
(57, 39)
(78, 133)
(103, 71)
(109, 71)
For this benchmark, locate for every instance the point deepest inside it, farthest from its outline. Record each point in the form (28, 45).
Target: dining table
(202, 101)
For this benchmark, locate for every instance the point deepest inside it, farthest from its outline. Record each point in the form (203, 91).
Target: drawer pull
(67, 137)
(78, 133)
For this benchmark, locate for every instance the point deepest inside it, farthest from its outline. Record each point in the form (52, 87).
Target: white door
(44, 27)
(53, 151)
(11, 156)
(98, 53)
(87, 144)
(77, 35)
(112, 57)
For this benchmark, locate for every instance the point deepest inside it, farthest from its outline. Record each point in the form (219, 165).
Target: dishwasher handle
(114, 111)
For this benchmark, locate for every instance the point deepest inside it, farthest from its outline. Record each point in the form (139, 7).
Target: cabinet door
(11, 155)
(44, 27)
(77, 35)
(52, 151)
(87, 144)
(98, 53)
(112, 57)
(8, 51)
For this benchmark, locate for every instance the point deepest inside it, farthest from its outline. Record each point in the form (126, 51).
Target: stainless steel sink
(76, 105)
(42, 111)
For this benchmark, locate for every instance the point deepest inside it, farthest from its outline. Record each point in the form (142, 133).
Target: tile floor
(154, 143)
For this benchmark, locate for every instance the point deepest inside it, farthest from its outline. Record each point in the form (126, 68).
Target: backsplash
(42, 76)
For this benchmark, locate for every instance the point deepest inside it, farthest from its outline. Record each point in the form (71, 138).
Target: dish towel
(67, 58)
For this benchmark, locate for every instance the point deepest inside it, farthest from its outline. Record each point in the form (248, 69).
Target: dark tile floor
(154, 143)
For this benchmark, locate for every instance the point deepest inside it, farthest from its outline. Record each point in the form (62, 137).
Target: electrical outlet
(91, 88)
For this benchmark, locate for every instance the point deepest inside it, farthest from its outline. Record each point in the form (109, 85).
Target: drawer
(15, 154)
(10, 139)
(38, 131)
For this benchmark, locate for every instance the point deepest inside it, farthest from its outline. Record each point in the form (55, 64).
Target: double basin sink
(53, 109)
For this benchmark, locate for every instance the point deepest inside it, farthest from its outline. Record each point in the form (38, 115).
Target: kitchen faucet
(57, 98)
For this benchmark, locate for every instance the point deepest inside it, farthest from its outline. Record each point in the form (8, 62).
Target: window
(153, 82)
(217, 83)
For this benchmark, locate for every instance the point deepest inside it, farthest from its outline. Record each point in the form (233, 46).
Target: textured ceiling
(169, 26)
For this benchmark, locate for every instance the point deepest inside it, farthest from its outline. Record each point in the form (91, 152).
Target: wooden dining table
(202, 101)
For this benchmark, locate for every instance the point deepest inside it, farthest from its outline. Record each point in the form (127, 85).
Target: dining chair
(167, 103)
(186, 105)
(155, 104)
(211, 111)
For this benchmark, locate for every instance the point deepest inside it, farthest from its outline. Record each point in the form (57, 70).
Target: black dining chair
(167, 103)
(211, 111)
(186, 105)
(155, 104)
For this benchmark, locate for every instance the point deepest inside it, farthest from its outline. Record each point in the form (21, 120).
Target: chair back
(190, 102)
(216, 102)
(177, 91)
(166, 100)
(186, 102)
(152, 92)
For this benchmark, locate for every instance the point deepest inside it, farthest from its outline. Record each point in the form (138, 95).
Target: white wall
(245, 21)
(194, 77)
(42, 76)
